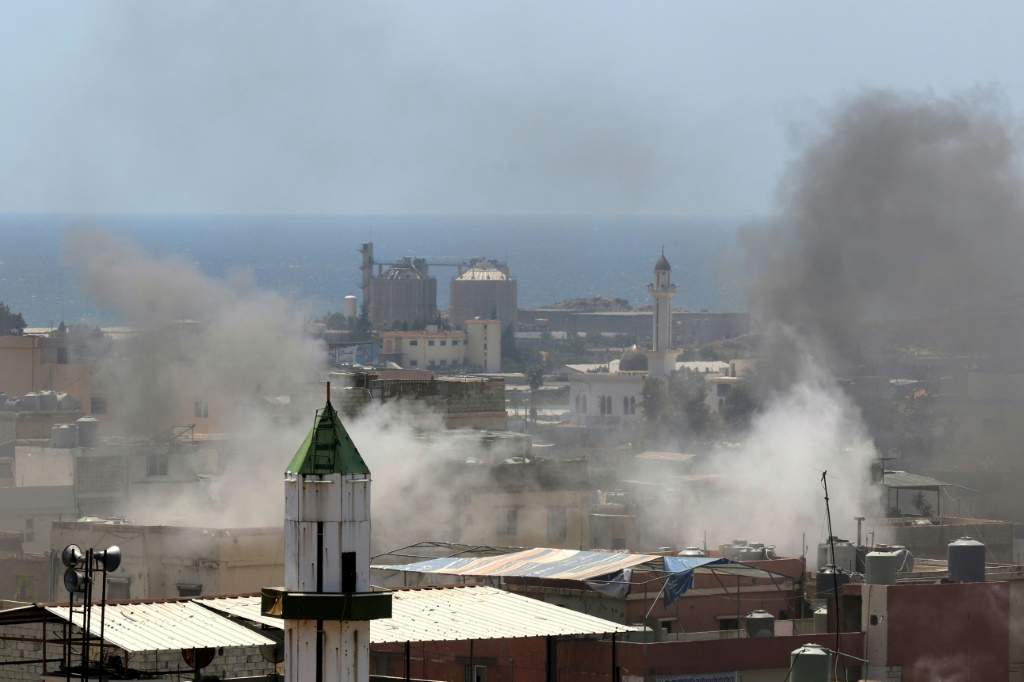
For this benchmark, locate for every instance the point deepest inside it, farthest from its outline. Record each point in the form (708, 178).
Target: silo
(810, 663)
(483, 291)
(351, 306)
(88, 432)
(47, 401)
(404, 295)
(880, 568)
(760, 623)
(966, 561)
(64, 436)
(30, 402)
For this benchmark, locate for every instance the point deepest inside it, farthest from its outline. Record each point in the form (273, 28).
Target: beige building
(431, 350)
(161, 562)
(484, 344)
(31, 364)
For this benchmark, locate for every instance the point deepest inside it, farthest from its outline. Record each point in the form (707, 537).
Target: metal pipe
(408, 663)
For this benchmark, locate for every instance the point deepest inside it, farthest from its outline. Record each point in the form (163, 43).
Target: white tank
(351, 306)
(845, 555)
(880, 568)
(47, 401)
(760, 623)
(821, 620)
(88, 432)
(30, 402)
(966, 561)
(64, 435)
(810, 663)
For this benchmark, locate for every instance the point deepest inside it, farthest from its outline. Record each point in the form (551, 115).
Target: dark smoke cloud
(899, 206)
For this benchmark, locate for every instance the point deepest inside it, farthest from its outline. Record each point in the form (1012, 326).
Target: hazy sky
(454, 107)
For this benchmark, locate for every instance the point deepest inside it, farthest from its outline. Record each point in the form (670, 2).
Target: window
(476, 673)
(625, 404)
(156, 464)
(414, 342)
(455, 342)
(98, 405)
(413, 363)
(600, 404)
(202, 410)
(30, 530)
(430, 364)
(485, 346)
(577, 402)
(189, 589)
(24, 588)
(557, 524)
(584, 410)
(444, 362)
(430, 342)
(507, 521)
(444, 342)
(632, 405)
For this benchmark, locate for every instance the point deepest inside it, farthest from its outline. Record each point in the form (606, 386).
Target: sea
(314, 260)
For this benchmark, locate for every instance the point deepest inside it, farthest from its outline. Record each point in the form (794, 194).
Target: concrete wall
(478, 521)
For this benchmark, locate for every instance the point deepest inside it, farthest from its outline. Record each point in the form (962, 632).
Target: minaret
(661, 359)
(326, 602)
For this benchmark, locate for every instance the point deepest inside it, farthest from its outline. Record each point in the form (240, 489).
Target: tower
(662, 358)
(326, 602)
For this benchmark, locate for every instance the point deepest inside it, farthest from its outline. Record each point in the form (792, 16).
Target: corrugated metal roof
(903, 479)
(562, 564)
(164, 626)
(454, 613)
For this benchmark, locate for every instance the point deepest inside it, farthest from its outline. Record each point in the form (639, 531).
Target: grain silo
(483, 291)
(404, 296)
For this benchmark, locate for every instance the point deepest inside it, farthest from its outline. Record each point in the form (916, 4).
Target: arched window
(608, 403)
(577, 402)
(632, 405)
(584, 410)
(625, 404)
(600, 404)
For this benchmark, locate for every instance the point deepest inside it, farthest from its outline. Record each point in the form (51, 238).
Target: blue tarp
(681, 570)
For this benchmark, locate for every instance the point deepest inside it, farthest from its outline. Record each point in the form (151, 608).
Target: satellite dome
(633, 360)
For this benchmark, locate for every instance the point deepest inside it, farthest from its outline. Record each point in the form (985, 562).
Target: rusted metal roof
(164, 626)
(453, 613)
(558, 564)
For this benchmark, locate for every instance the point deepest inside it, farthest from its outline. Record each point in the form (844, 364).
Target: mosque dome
(662, 263)
(633, 360)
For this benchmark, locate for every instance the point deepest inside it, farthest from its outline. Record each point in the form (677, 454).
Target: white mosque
(614, 393)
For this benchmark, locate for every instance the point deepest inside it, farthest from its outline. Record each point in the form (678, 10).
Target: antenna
(835, 569)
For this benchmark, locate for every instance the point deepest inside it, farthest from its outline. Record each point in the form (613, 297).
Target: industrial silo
(405, 295)
(484, 291)
(351, 306)
(966, 558)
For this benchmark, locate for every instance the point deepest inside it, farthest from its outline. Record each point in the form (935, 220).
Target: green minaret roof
(328, 448)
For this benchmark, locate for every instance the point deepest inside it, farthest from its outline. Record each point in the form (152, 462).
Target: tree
(921, 504)
(739, 405)
(11, 323)
(676, 407)
(535, 378)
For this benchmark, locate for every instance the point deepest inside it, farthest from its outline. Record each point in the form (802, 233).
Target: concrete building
(161, 562)
(30, 364)
(405, 294)
(483, 348)
(483, 291)
(433, 350)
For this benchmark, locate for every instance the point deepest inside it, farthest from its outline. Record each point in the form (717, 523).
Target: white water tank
(821, 620)
(760, 623)
(351, 306)
(30, 402)
(880, 568)
(47, 401)
(810, 663)
(64, 436)
(88, 432)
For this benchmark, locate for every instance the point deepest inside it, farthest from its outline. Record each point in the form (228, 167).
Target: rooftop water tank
(64, 435)
(831, 581)
(66, 402)
(966, 561)
(733, 549)
(692, 551)
(47, 401)
(88, 432)
(845, 554)
(30, 402)
(821, 620)
(751, 554)
(810, 663)
(12, 405)
(904, 557)
(760, 624)
(880, 568)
